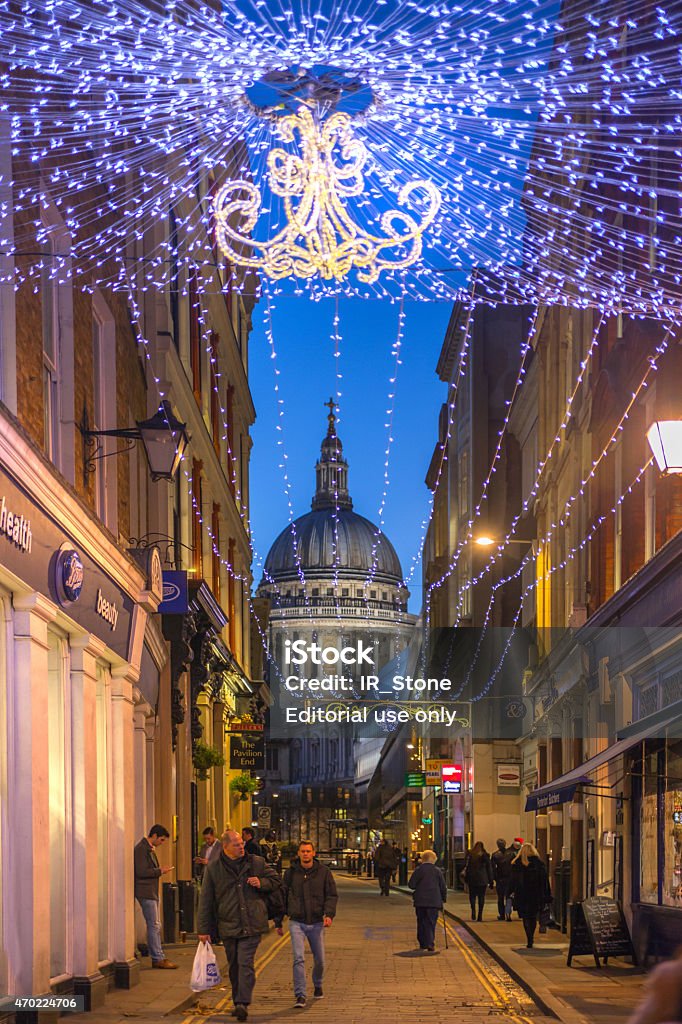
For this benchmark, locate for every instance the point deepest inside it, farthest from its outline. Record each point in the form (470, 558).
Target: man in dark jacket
(250, 844)
(233, 901)
(430, 893)
(385, 863)
(147, 874)
(310, 899)
(501, 862)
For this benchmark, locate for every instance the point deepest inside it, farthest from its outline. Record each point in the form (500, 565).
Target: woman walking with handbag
(529, 887)
(478, 875)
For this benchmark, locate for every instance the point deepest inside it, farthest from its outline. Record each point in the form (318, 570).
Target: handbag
(205, 973)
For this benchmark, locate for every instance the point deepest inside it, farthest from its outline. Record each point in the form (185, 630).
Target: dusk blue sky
(368, 329)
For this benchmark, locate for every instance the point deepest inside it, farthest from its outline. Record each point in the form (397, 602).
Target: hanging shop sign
(451, 776)
(245, 725)
(509, 775)
(175, 593)
(433, 771)
(415, 780)
(247, 752)
(546, 799)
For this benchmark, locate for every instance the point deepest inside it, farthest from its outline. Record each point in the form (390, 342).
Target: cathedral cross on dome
(331, 405)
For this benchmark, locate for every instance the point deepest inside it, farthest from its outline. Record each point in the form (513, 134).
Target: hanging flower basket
(244, 784)
(204, 758)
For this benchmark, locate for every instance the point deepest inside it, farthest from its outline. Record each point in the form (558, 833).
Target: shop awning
(562, 790)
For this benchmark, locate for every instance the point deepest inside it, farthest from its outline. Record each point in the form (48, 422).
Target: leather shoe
(164, 965)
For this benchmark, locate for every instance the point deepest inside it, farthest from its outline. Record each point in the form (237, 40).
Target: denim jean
(314, 933)
(150, 909)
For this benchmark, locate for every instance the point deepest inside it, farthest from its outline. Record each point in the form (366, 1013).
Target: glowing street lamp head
(484, 541)
(665, 441)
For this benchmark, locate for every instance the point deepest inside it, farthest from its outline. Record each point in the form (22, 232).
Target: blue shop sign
(545, 800)
(175, 598)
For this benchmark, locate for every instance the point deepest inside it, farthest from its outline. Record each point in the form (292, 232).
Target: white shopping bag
(205, 973)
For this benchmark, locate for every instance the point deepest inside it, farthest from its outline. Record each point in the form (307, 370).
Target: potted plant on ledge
(205, 757)
(244, 784)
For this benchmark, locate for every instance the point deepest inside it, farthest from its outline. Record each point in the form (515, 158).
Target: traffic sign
(264, 817)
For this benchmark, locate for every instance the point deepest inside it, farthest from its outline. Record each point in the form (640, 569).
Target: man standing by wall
(310, 901)
(147, 874)
(233, 902)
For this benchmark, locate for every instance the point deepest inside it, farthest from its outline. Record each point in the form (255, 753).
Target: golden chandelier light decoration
(320, 236)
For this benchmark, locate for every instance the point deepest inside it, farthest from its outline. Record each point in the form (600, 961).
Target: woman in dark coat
(429, 896)
(478, 874)
(529, 887)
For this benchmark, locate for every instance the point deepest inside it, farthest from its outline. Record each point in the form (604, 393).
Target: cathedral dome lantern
(332, 542)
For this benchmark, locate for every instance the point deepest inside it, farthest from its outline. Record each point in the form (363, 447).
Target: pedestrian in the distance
(501, 862)
(662, 1000)
(478, 875)
(385, 860)
(430, 893)
(310, 900)
(529, 887)
(147, 874)
(270, 851)
(250, 844)
(396, 854)
(233, 900)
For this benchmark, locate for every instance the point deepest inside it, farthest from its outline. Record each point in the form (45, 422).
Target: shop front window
(649, 830)
(672, 827)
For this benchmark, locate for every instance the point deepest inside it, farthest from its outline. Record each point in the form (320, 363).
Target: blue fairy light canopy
(544, 138)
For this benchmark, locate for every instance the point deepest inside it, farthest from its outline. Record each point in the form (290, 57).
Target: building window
(48, 293)
(229, 417)
(215, 397)
(464, 484)
(215, 551)
(231, 604)
(195, 335)
(196, 512)
(272, 759)
(618, 523)
(104, 406)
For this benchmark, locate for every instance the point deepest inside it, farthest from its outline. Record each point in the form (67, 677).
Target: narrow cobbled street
(373, 972)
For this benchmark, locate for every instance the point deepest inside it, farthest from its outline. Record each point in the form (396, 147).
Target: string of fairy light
(576, 113)
(561, 518)
(115, 119)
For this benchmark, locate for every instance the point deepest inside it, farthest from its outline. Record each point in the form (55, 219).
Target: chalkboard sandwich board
(599, 929)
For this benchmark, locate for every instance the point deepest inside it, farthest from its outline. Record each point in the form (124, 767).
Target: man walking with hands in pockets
(233, 904)
(310, 901)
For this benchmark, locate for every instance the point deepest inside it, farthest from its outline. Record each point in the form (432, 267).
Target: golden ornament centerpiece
(321, 237)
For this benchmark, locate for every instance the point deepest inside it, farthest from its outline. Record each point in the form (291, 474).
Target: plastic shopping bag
(205, 973)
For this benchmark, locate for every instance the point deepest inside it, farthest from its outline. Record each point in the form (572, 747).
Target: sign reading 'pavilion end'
(247, 751)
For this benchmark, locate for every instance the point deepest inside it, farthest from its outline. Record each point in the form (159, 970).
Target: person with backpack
(310, 900)
(235, 894)
(478, 875)
(501, 862)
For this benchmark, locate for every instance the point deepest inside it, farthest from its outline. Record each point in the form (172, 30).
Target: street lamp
(665, 440)
(163, 436)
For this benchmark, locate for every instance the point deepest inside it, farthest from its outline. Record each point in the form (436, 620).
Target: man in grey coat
(147, 874)
(233, 903)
